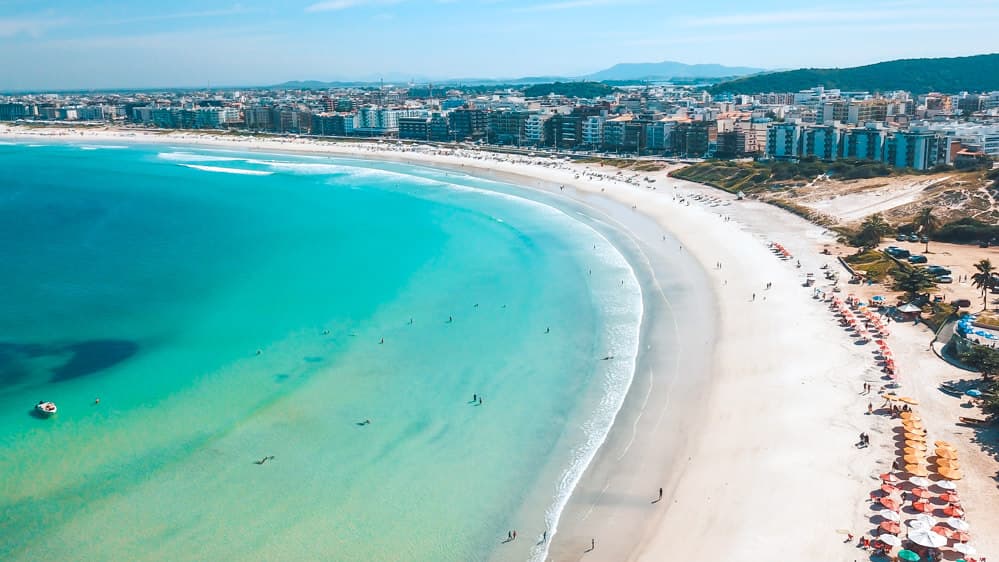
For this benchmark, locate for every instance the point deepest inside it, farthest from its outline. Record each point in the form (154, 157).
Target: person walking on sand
(593, 544)
(660, 494)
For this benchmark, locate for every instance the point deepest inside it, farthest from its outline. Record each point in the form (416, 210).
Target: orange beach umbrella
(917, 470)
(910, 416)
(946, 453)
(913, 444)
(910, 401)
(951, 473)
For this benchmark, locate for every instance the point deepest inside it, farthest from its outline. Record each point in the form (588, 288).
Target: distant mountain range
(979, 73)
(665, 70)
(669, 69)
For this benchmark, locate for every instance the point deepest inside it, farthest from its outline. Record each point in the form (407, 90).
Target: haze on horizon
(64, 44)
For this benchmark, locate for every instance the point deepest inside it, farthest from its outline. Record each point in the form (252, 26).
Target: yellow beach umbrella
(914, 436)
(915, 459)
(951, 474)
(943, 444)
(910, 416)
(946, 453)
(915, 444)
(948, 463)
(917, 470)
(914, 450)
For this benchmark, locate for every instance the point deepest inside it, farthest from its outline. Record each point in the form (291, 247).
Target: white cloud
(567, 5)
(33, 26)
(335, 5)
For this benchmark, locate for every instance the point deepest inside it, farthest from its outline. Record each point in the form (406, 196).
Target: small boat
(46, 408)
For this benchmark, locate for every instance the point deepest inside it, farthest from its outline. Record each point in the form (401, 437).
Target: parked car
(901, 238)
(938, 270)
(945, 279)
(913, 238)
(917, 259)
(897, 252)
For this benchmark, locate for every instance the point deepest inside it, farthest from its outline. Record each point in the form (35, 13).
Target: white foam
(102, 147)
(228, 170)
(192, 157)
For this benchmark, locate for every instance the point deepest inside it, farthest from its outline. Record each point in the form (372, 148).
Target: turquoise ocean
(227, 306)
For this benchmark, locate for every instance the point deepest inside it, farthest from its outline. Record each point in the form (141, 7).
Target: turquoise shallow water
(150, 276)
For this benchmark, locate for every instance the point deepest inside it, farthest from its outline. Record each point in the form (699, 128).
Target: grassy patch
(875, 264)
(988, 320)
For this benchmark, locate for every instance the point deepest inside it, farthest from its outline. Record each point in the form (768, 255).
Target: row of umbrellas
(780, 250)
(849, 319)
(924, 529)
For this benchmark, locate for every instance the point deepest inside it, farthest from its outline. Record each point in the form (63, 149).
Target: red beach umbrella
(894, 505)
(923, 506)
(922, 493)
(950, 497)
(945, 531)
(888, 488)
(889, 477)
(890, 527)
(951, 511)
(960, 536)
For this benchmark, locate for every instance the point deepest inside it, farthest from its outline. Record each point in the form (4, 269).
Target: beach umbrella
(941, 530)
(942, 443)
(926, 537)
(911, 416)
(952, 511)
(908, 556)
(922, 521)
(915, 444)
(912, 423)
(890, 540)
(946, 453)
(891, 504)
(959, 536)
(974, 393)
(914, 450)
(891, 515)
(914, 459)
(923, 506)
(909, 401)
(888, 477)
(949, 464)
(922, 493)
(888, 488)
(951, 473)
(890, 527)
(946, 485)
(950, 497)
(914, 436)
(959, 524)
(921, 482)
(917, 470)
(965, 548)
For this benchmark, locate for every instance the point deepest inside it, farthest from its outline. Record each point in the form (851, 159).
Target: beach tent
(909, 308)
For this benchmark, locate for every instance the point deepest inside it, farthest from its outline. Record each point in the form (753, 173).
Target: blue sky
(49, 44)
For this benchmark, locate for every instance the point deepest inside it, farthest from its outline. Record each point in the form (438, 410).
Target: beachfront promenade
(765, 462)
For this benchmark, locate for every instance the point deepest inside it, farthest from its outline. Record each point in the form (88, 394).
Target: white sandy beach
(750, 430)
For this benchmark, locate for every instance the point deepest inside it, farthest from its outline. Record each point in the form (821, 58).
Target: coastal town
(913, 130)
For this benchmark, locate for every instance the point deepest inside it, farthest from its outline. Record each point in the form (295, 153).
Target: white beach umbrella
(890, 540)
(890, 515)
(959, 524)
(926, 537)
(922, 521)
(920, 481)
(947, 485)
(965, 548)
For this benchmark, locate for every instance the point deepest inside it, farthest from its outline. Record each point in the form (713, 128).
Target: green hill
(979, 73)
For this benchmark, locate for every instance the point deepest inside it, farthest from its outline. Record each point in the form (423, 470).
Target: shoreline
(736, 494)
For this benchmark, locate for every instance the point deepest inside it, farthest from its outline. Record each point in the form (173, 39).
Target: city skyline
(61, 45)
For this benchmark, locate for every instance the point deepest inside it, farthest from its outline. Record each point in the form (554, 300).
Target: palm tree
(872, 230)
(913, 281)
(983, 280)
(927, 224)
